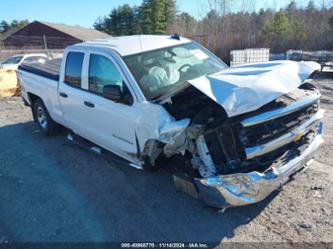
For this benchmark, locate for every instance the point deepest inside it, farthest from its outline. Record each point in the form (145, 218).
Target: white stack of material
(249, 56)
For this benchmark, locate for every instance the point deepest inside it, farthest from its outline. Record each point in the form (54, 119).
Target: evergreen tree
(4, 26)
(310, 7)
(169, 13)
(279, 25)
(121, 21)
(330, 22)
(136, 28)
(100, 25)
(152, 17)
(13, 26)
(277, 28)
(146, 13)
(158, 17)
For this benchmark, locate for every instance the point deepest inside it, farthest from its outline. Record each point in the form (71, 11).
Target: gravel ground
(54, 191)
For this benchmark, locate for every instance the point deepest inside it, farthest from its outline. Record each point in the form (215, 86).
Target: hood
(246, 88)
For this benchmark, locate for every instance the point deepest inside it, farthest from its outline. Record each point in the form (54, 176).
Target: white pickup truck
(240, 132)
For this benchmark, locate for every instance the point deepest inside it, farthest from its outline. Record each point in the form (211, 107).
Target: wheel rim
(41, 117)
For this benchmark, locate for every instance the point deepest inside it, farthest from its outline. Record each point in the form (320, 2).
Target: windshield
(13, 60)
(160, 71)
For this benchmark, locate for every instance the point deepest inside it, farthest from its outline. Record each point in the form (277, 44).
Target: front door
(111, 124)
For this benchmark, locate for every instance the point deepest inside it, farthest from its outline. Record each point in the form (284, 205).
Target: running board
(84, 143)
(87, 145)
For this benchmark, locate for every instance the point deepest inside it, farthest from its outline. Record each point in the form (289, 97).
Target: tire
(42, 117)
(147, 166)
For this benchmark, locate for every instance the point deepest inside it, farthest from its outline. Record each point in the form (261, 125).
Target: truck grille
(265, 132)
(270, 130)
(257, 140)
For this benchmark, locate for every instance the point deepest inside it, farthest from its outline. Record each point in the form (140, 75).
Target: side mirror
(112, 92)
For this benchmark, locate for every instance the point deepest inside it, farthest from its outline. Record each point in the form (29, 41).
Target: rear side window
(73, 69)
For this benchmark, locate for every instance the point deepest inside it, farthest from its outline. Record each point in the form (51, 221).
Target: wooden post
(45, 45)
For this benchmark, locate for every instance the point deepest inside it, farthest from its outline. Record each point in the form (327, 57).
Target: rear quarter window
(73, 69)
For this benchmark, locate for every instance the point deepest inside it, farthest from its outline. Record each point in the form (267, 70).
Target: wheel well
(32, 98)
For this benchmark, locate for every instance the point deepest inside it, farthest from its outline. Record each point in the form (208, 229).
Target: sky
(85, 12)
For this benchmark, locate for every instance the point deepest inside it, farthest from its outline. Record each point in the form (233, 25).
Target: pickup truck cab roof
(135, 44)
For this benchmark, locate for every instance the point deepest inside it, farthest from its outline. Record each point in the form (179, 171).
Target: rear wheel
(43, 119)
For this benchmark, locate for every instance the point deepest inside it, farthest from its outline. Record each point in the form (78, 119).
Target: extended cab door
(70, 91)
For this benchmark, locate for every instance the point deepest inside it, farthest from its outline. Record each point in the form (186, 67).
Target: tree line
(12, 26)
(7, 28)
(221, 29)
(151, 17)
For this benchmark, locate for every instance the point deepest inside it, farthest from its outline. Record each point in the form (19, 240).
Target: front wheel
(43, 119)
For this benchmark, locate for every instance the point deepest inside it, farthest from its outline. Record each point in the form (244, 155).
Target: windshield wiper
(172, 92)
(158, 96)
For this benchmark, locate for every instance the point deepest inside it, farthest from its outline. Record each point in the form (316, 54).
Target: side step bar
(87, 145)
(83, 143)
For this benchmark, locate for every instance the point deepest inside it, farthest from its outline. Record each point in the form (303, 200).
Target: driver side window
(103, 72)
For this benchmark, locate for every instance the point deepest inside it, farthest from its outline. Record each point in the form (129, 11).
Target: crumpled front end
(239, 159)
(275, 144)
(248, 188)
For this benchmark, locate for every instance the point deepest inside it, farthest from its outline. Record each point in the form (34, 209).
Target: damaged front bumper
(248, 188)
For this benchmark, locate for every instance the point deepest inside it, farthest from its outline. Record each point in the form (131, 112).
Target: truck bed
(49, 69)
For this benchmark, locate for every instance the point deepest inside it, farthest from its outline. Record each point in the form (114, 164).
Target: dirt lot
(51, 190)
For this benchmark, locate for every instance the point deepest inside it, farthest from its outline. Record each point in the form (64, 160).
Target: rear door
(71, 94)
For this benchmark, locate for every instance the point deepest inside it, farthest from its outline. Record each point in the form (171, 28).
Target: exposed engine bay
(240, 133)
(219, 143)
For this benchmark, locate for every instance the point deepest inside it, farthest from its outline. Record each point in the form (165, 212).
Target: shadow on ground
(52, 190)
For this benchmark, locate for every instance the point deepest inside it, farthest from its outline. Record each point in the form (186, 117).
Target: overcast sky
(85, 12)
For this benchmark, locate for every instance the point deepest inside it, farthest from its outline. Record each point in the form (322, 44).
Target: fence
(319, 56)
(277, 56)
(4, 54)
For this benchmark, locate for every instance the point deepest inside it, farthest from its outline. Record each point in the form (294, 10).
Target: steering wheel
(184, 66)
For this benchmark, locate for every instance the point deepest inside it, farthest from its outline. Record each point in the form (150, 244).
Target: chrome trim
(289, 137)
(267, 116)
(248, 188)
(137, 166)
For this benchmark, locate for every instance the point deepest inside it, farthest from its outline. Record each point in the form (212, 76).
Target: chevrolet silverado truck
(240, 132)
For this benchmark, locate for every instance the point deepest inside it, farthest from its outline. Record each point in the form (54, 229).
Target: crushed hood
(246, 88)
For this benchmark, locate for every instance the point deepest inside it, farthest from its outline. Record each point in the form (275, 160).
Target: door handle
(89, 104)
(64, 95)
